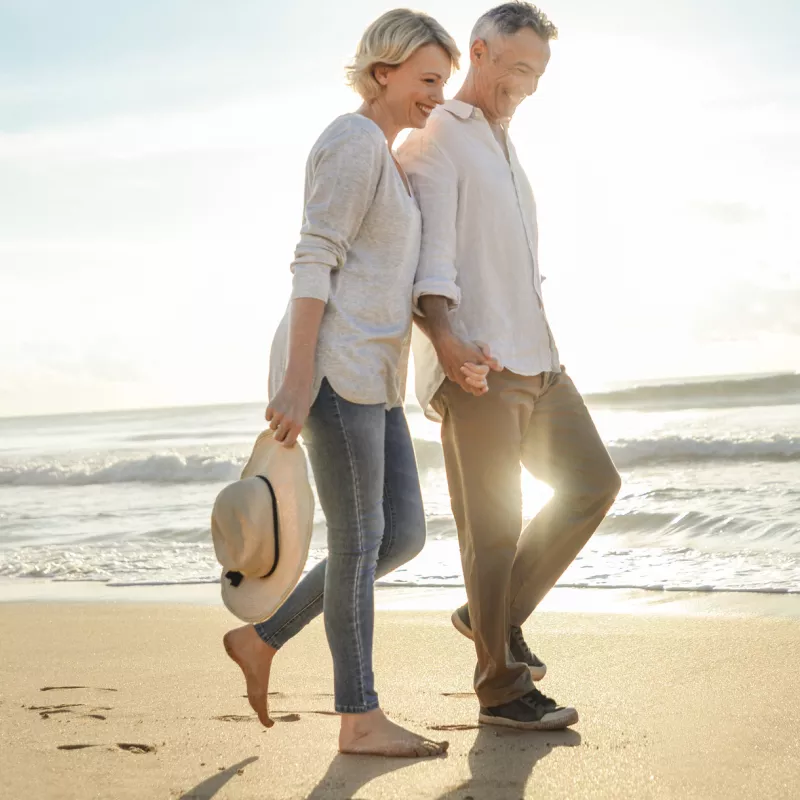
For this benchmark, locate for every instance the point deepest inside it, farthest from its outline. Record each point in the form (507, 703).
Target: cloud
(237, 126)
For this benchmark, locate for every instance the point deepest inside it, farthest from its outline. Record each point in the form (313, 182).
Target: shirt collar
(462, 110)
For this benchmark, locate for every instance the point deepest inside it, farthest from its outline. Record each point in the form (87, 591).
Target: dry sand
(139, 701)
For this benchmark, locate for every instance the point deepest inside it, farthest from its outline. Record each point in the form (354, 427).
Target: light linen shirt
(479, 245)
(358, 253)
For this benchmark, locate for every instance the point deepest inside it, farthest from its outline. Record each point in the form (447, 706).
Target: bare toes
(436, 748)
(254, 658)
(261, 710)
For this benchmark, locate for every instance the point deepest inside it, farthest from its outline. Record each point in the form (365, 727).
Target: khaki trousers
(542, 423)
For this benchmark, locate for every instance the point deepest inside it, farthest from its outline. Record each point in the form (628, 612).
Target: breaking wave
(173, 468)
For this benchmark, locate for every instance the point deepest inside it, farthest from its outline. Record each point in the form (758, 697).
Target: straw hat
(261, 527)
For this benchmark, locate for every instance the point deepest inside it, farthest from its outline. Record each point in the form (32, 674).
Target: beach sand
(126, 700)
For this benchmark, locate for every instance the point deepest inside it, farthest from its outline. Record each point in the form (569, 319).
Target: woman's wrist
(301, 376)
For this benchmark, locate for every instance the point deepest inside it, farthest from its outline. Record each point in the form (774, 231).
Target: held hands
(475, 378)
(288, 411)
(466, 364)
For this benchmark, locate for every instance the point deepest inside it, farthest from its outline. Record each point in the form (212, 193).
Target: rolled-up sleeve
(435, 182)
(341, 180)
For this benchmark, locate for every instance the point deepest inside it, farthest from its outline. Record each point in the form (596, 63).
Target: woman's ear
(381, 73)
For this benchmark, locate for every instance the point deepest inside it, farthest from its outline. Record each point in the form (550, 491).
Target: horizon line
(654, 382)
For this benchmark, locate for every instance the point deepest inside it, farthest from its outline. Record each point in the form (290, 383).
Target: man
(479, 300)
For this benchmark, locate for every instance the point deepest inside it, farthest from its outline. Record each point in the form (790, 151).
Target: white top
(358, 252)
(479, 244)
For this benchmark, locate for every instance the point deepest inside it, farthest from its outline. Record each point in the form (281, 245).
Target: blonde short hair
(391, 40)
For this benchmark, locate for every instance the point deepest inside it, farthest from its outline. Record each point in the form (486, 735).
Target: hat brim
(257, 599)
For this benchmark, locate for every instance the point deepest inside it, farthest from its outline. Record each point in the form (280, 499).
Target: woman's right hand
(288, 411)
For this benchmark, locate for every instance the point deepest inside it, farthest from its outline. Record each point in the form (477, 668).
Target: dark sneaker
(460, 620)
(531, 712)
(519, 649)
(521, 652)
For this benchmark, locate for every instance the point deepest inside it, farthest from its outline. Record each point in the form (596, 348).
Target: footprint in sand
(64, 688)
(253, 718)
(138, 749)
(453, 727)
(298, 713)
(75, 746)
(45, 712)
(458, 694)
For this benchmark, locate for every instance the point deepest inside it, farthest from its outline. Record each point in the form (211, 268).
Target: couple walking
(443, 233)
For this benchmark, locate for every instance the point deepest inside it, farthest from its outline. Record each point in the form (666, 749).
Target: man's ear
(479, 51)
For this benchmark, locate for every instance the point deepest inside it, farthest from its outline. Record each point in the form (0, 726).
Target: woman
(337, 373)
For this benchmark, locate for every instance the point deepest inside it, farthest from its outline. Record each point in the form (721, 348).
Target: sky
(151, 174)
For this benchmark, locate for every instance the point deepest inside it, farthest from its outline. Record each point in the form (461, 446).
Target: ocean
(710, 498)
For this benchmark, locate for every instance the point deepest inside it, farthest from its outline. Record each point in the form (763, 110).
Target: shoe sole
(558, 721)
(537, 673)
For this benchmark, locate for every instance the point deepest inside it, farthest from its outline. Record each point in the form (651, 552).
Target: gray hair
(390, 40)
(507, 19)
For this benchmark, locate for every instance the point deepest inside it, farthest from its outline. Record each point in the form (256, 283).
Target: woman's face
(413, 89)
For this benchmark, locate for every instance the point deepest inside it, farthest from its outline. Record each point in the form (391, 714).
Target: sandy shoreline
(671, 706)
(426, 598)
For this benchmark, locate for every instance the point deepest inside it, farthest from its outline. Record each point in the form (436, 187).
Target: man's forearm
(435, 323)
(461, 360)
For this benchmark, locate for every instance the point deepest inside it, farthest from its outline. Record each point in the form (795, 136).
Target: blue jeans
(368, 487)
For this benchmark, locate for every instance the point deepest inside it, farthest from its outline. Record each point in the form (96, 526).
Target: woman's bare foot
(254, 657)
(373, 734)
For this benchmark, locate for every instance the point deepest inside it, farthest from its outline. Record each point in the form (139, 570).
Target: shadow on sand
(210, 786)
(347, 774)
(502, 761)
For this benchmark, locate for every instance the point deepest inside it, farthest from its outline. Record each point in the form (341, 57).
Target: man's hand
(288, 411)
(465, 363)
(492, 362)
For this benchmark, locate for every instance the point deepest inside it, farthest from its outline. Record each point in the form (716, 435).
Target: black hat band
(236, 577)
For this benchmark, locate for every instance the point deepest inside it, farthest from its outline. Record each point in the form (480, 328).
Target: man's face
(508, 70)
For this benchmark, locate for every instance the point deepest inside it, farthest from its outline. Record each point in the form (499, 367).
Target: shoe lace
(535, 697)
(519, 641)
